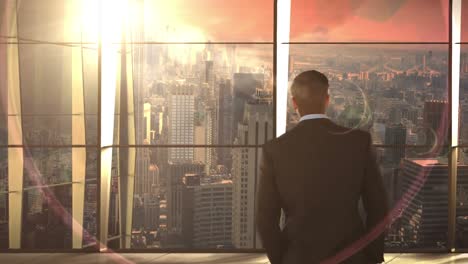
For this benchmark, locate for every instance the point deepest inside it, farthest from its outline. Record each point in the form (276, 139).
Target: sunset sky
(253, 20)
(311, 20)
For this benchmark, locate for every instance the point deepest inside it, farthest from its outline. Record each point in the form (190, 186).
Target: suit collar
(313, 116)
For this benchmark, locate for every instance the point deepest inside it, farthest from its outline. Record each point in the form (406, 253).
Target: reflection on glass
(47, 73)
(47, 166)
(463, 134)
(57, 20)
(417, 186)
(397, 92)
(47, 218)
(461, 227)
(369, 20)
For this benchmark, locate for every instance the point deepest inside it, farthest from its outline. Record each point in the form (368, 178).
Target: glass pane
(464, 21)
(90, 212)
(4, 221)
(90, 198)
(114, 202)
(180, 20)
(194, 204)
(47, 218)
(389, 90)
(3, 96)
(417, 186)
(369, 20)
(58, 20)
(188, 94)
(48, 75)
(463, 136)
(462, 200)
(46, 166)
(3, 198)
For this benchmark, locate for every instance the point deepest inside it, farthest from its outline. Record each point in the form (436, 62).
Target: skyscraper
(244, 87)
(395, 134)
(176, 173)
(255, 128)
(425, 220)
(225, 121)
(435, 118)
(212, 215)
(181, 122)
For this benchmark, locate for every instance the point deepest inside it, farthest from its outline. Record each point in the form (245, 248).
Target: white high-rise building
(255, 129)
(181, 122)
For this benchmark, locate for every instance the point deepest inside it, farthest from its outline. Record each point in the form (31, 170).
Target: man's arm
(268, 210)
(375, 203)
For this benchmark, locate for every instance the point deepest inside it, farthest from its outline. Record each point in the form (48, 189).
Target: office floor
(215, 258)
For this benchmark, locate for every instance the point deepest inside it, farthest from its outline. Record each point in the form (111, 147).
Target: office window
(462, 188)
(187, 90)
(463, 123)
(3, 198)
(388, 74)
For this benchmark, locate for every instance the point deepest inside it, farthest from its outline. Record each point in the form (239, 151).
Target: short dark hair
(309, 88)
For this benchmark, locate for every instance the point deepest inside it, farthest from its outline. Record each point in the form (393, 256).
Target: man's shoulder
(275, 142)
(352, 134)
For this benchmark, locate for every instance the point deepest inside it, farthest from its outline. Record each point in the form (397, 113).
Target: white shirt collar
(312, 116)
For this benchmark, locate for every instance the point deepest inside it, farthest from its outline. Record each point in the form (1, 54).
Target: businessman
(317, 173)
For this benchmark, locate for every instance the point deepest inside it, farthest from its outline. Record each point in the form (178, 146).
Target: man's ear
(294, 103)
(327, 101)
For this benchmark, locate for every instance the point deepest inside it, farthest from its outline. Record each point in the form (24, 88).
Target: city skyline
(216, 100)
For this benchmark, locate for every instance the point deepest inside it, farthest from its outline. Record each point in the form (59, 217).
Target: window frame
(281, 29)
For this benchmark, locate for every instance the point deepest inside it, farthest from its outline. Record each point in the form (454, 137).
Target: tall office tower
(212, 214)
(176, 173)
(186, 190)
(232, 59)
(225, 121)
(395, 114)
(244, 88)
(143, 178)
(425, 221)
(209, 76)
(147, 123)
(255, 128)
(211, 136)
(204, 136)
(151, 211)
(395, 134)
(435, 120)
(137, 34)
(181, 122)
(211, 101)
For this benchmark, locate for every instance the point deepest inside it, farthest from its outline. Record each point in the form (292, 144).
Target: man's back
(317, 173)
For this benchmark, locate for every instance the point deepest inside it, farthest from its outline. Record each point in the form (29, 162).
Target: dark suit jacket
(317, 173)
